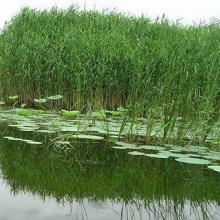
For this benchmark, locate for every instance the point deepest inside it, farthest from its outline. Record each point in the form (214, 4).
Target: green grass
(157, 69)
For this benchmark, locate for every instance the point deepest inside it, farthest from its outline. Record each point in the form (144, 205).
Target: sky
(186, 11)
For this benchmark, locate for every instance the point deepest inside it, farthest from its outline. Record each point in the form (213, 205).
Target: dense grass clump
(109, 60)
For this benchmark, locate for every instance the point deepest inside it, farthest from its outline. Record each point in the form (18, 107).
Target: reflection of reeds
(95, 171)
(82, 209)
(144, 187)
(106, 61)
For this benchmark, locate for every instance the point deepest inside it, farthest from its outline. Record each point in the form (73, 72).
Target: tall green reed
(106, 60)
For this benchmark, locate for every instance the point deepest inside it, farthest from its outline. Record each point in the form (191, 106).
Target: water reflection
(92, 181)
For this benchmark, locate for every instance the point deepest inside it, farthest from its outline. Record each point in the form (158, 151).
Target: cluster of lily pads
(10, 98)
(89, 127)
(38, 101)
(72, 121)
(23, 140)
(113, 126)
(188, 154)
(96, 126)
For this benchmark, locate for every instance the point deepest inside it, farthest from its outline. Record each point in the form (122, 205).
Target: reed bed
(158, 69)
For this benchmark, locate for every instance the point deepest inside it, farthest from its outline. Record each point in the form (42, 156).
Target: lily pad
(192, 155)
(24, 112)
(27, 128)
(13, 97)
(69, 113)
(136, 153)
(151, 147)
(13, 138)
(192, 160)
(175, 150)
(55, 97)
(130, 146)
(127, 145)
(62, 142)
(40, 100)
(33, 142)
(46, 131)
(212, 157)
(195, 149)
(215, 168)
(160, 156)
(70, 129)
(171, 154)
(90, 137)
(119, 147)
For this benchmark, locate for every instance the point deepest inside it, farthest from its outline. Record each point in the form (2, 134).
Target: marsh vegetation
(102, 108)
(158, 70)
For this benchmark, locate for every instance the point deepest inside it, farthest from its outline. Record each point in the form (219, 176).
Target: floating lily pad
(13, 138)
(102, 131)
(84, 136)
(136, 153)
(215, 168)
(215, 152)
(175, 150)
(119, 147)
(98, 114)
(173, 146)
(24, 112)
(69, 113)
(195, 149)
(46, 131)
(127, 145)
(151, 147)
(27, 128)
(13, 97)
(192, 155)
(55, 97)
(40, 100)
(73, 129)
(33, 142)
(212, 157)
(171, 154)
(63, 142)
(160, 156)
(192, 160)
(29, 124)
(23, 105)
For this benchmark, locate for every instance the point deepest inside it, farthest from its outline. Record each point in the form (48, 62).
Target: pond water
(90, 179)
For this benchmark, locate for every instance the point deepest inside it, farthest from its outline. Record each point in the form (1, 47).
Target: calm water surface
(93, 181)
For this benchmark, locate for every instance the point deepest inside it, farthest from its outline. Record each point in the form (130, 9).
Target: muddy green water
(92, 180)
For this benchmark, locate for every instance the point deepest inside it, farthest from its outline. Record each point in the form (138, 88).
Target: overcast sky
(188, 10)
